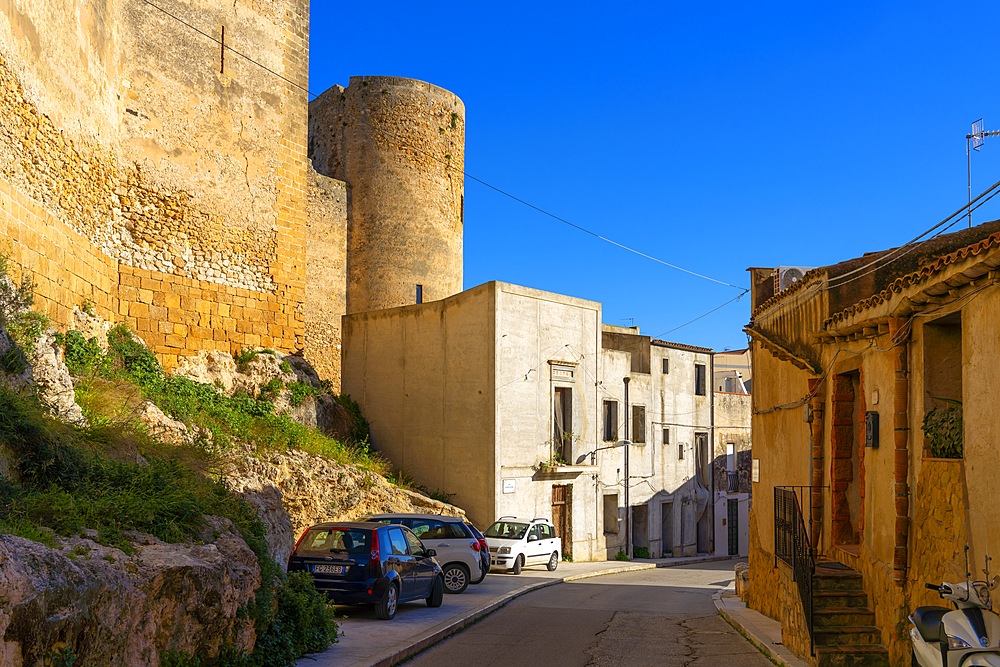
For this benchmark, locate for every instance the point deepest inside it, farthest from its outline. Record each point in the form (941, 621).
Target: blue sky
(712, 136)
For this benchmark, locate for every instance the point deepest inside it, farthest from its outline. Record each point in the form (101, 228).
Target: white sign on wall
(756, 471)
(508, 486)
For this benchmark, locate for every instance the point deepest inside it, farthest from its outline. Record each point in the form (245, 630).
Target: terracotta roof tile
(923, 273)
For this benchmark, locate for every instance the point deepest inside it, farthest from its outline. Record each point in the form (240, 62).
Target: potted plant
(943, 430)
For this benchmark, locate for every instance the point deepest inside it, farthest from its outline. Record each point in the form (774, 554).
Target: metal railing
(793, 546)
(732, 481)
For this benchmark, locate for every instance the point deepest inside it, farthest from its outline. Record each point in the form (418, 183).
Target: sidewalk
(367, 642)
(761, 631)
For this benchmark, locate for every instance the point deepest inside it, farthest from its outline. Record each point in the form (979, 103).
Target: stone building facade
(128, 143)
(513, 401)
(156, 166)
(848, 364)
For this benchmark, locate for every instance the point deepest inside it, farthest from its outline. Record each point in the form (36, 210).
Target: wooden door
(562, 516)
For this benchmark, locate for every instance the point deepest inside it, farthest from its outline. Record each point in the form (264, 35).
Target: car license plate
(330, 569)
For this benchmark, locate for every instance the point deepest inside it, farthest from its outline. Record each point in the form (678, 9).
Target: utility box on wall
(871, 429)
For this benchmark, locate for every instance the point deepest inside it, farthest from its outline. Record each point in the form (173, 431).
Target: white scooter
(963, 637)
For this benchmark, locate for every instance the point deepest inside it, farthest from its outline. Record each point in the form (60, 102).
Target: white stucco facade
(513, 400)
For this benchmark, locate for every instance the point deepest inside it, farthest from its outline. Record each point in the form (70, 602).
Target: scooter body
(963, 637)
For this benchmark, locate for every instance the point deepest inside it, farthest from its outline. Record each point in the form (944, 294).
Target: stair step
(847, 635)
(831, 617)
(837, 584)
(858, 655)
(834, 599)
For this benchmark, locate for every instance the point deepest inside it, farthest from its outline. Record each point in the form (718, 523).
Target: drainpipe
(816, 409)
(900, 437)
(711, 421)
(628, 508)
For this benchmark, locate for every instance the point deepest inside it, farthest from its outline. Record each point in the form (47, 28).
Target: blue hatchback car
(363, 562)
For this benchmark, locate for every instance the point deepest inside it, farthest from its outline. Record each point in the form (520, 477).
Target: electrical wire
(448, 165)
(720, 307)
(813, 289)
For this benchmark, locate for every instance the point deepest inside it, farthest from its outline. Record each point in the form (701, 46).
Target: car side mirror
(532, 538)
(430, 553)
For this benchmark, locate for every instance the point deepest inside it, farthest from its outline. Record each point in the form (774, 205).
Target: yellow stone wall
(141, 174)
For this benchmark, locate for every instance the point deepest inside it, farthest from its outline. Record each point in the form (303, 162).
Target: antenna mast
(973, 142)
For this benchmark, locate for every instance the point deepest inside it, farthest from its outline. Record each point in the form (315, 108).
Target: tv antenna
(973, 142)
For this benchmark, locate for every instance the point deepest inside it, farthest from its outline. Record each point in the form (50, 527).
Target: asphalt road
(663, 617)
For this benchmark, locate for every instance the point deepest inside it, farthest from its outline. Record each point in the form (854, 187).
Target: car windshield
(507, 530)
(342, 540)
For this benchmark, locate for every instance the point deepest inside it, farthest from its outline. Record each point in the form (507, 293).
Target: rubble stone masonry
(149, 172)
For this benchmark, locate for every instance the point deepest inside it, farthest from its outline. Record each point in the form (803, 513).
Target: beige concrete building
(875, 435)
(513, 400)
(732, 454)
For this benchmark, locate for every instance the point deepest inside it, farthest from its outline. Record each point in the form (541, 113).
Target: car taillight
(297, 543)
(375, 559)
(475, 546)
(484, 545)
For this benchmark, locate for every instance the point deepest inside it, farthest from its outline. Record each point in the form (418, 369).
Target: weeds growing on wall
(22, 324)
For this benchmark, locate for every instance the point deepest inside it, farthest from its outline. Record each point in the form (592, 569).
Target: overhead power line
(496, 189)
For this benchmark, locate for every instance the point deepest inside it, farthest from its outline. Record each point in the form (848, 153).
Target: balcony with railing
(732, 481)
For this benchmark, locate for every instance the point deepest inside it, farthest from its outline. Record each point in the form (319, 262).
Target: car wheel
(385, 608)
(437, 593)
(553, 561)
(456, 577)
(518, 564)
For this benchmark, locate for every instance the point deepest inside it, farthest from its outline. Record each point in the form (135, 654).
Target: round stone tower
(400, 145)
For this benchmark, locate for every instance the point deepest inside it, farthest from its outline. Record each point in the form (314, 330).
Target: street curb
(777, 656)
(397, 656)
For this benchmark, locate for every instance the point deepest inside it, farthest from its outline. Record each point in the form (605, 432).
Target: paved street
(584, 621)
(662, 617)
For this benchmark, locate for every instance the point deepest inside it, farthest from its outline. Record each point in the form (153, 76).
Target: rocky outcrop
(113, 609)
(293, 490)
(260, 374)
(45, 373)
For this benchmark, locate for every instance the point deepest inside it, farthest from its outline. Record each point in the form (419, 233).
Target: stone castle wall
(400, 146)
(326, 270)
(142, 172)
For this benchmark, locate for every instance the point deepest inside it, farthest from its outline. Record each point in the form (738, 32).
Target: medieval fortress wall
(166, 181)
(400, 144)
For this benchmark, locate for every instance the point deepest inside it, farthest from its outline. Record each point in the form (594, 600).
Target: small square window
(666, 436)
(680, 451)
(666, 365)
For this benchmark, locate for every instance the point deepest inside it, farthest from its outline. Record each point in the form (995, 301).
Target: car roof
(364, 525)
(517, 519)
(405, 515)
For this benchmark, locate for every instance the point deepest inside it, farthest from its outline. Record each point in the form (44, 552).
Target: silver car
(457, 548)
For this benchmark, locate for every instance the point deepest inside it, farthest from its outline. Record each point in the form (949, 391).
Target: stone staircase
(844, 624)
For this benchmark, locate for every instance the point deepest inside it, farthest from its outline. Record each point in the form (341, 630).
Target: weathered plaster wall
(423, 376)
(781, 438)
(116, 121)
(400, 145)
(535, 330)
(326, 266)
